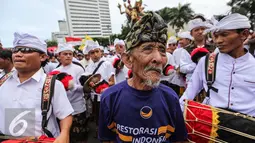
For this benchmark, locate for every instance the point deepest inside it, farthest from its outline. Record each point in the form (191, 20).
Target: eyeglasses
(25, 50)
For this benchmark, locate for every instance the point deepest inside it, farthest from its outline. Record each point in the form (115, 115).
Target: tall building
(63, 32)
(88, 17)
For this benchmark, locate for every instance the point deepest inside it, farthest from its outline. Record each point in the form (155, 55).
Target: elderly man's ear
(127, 60)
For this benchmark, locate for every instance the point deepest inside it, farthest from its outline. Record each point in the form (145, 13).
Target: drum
(41, 139)
(205, 123)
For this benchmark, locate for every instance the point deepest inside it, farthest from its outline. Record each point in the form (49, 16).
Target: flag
(73, 40)
(84, 41)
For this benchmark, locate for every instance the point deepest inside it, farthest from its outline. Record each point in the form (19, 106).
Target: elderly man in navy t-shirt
(140, 109)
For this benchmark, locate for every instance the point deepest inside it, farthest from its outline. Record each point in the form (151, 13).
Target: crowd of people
(136, 92)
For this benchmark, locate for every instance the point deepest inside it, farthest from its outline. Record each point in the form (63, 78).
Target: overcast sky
(40, 17)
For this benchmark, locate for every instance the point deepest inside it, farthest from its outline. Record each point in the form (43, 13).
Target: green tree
(180, 15)
(245, 7)
(165, 13)
(51, 43)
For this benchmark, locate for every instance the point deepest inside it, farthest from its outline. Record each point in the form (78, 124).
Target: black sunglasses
(25, 50)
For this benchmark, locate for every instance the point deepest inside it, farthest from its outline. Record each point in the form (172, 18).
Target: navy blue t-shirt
(131, 115)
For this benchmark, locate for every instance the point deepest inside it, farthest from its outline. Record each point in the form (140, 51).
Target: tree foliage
(245, 7)
(177, 16)
(52, 43)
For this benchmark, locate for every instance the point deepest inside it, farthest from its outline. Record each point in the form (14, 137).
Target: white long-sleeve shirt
(235, 81)
(75, 95)
(177, 78)
(187, 66)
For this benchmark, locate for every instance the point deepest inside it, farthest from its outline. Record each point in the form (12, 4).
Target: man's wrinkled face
(148, 61)
(95, 55)
(228, 40)
(66, 57)
(197, 33)
(184, 42)
(27, 60)
(120, 49)
(171, 47)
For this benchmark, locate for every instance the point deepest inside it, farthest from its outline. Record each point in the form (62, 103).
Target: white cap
(119, 42)
(28, 40)
(185, 34)
(172, 40)
(195, 23)
(90, 45)
(232, 21)
(65, 47)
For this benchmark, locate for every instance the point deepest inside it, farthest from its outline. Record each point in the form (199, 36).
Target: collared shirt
(106, 69)
(75, 95)
(235, 81)
(177, 78)
(17, 97)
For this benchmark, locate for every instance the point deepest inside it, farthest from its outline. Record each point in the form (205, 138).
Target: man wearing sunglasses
(22, 92)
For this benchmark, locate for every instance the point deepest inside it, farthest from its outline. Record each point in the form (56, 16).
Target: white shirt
(50, 67)
(235, 81)
(85, 63)
(187, 66)
(106, 70)
(75, 95)
(16, 95)
(177, 78)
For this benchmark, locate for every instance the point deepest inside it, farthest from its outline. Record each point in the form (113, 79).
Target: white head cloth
(28, 40)
(119, 42)
(106, 51)
(90, 45)
(65, 47)
(195, 23)
(172, 40)
(185, 34)
(231, 22)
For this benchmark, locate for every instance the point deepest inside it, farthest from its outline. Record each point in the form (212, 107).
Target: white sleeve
(61, 105)
(186, 64)
(195, 84)
(77, 84)
(170, 59)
